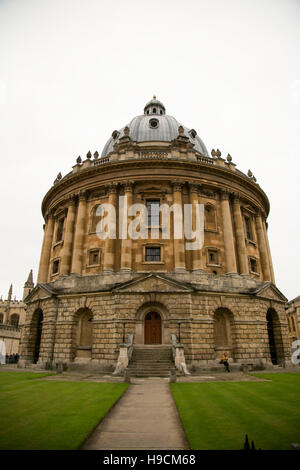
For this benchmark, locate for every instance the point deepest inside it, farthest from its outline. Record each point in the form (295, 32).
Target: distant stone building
(93, 291)
(12, 318)
(293, 318)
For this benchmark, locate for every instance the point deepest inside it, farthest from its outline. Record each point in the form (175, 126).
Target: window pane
(152, 253)
(153, 213)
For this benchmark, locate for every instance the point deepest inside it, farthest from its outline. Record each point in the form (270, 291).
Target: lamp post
(179, 323)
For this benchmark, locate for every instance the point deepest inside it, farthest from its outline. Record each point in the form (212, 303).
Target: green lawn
(217, 415)
(40, 414)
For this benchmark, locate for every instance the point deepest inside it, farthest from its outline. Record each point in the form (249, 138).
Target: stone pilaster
(268, 248)
(79, 234)
(68, 238)
(126, 243)
(46, 249)
(197, 258)
(109, 246)
(179, 248)
(230, 257)
(240, 236)
(262, 247)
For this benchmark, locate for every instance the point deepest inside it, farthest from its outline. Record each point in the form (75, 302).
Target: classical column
(126, 243)
(179, 248)
(268, 248)
(109, 245)
(197, 258)
(79, 234)
(262, 247)
(230, 257)
(66, 254)
(240, 236)
(46, 249)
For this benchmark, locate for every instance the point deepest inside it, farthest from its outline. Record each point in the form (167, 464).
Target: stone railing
(205, 160)
(124, 356)
(178, 356)
(101, 161)
(4, 326)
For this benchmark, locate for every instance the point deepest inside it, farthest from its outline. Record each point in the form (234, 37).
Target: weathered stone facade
(12, 318)
(93, 292)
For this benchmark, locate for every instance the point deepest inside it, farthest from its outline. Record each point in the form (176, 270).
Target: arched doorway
(152, 328)
(274, 336)
(37, 321)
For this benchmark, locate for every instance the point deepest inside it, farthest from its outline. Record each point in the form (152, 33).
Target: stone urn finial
(78, 160)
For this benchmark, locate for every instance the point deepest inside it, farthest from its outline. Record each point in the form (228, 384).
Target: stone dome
(155, 126)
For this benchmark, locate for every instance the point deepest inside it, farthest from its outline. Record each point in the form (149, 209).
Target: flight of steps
(151, 361)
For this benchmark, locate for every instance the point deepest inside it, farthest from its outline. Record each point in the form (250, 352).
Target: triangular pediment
(270, 291)
(153, 283)
(41, 291)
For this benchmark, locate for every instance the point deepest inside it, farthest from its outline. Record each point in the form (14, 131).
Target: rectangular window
(248, 228)
(55, 268)
(213, 257)
(94, 257)
(60, 230)
(152, 207)
(152, 253)
(253, 265)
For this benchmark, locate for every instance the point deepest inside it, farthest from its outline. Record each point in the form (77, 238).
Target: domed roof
(155, 126)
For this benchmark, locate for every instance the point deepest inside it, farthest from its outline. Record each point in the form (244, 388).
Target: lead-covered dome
(155, 126)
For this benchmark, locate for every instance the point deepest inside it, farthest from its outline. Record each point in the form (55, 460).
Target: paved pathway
(144, 418)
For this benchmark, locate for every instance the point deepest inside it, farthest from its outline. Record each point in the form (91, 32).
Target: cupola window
(153, 123)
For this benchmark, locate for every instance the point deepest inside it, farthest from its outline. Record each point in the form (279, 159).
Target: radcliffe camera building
(152, 293)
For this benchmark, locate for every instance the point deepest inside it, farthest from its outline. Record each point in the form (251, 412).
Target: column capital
(195, 187)
(224, 193)
(70, 200)
(236, 198)
(128, 185)
(112, 188)
(82, 195)
(177, 185)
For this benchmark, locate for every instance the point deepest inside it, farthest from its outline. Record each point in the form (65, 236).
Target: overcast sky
(72, 71)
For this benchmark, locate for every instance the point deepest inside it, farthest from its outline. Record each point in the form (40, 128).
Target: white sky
(72, 71)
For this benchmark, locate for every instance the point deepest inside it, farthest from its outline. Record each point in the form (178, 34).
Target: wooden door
(152, 328)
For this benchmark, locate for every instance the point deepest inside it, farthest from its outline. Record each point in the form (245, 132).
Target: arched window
(14, 319)
(36, 333)
(210, 217)
(276, 351)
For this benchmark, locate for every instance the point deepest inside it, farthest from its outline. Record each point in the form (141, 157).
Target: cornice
(110, 171)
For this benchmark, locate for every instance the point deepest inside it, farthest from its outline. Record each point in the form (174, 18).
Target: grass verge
(48, 415)
(217, 415)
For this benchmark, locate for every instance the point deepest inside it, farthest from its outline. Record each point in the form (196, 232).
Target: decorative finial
(96, 155)
(249, 173)
(229, 158)
(89, 155)
(213, 153)
(218, 153)
(154, 97)
(79, 159)
(59, 176)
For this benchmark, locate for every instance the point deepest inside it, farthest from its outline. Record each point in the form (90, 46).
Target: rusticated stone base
(216, 315)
